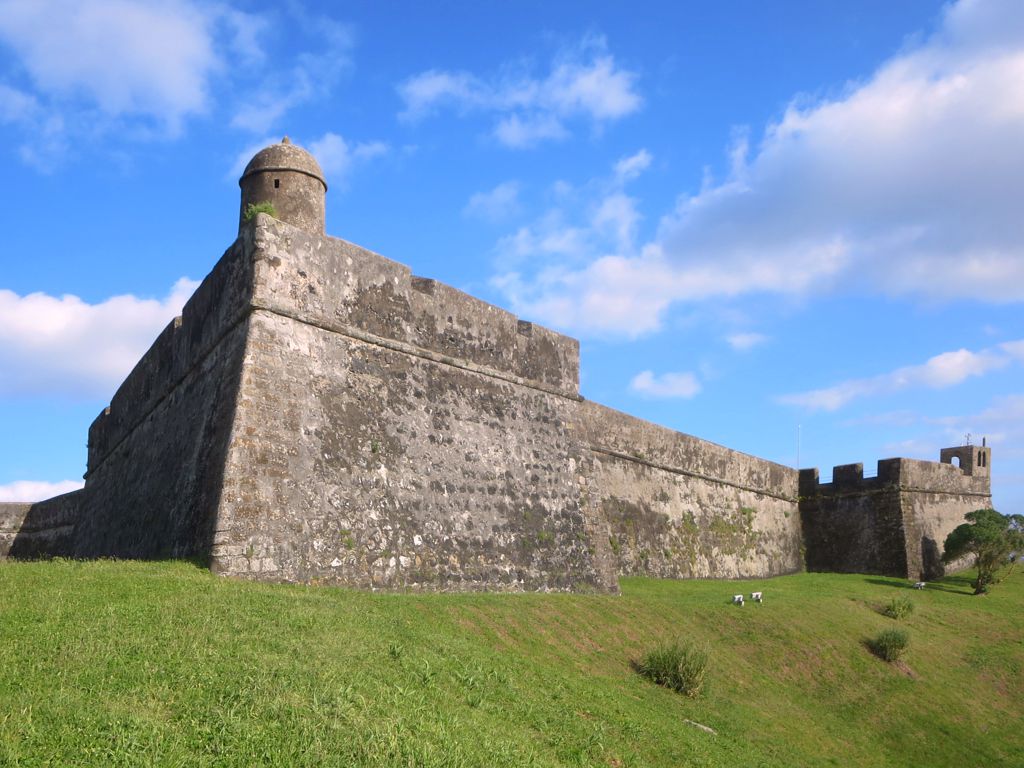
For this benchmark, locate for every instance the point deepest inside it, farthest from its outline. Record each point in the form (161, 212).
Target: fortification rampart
(391, 434)
(320, 414)
(678, 506)
(45, 528)
(340, 287)
(935, 497)
(156, 453)
(233, 436)
(12, 520)
(894, 523)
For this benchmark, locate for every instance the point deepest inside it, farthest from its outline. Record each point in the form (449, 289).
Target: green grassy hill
(126, 663)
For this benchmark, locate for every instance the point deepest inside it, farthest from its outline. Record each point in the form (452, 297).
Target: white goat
(737, 599)
(920, 585)
(756, 597)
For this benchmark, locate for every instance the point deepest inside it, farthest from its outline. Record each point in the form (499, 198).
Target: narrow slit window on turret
(277, 183)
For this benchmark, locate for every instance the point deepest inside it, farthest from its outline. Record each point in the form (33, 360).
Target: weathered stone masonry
(677, 506)
(896, 522)
(320, 414)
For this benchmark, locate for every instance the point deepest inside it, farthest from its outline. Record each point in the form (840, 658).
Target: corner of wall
(40, 529)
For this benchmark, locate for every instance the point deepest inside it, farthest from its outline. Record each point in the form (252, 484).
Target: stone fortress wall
(156, 454)
(394, 432)
(680, 507)
(43, 529)
(320, 414)
(896, 522)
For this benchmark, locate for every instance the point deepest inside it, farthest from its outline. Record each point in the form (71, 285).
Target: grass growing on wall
(125, 663)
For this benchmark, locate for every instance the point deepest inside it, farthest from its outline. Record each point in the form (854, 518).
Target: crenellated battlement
(941, 476)
(896, 522)
(850, 478)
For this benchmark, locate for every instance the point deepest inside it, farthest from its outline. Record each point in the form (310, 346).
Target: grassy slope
(108, 663)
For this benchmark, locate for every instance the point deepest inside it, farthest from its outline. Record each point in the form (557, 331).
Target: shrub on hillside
(679, 665)
(899, 608)
(890, 644)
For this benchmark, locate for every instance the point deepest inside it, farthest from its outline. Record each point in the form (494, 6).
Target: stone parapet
(607, 430)
(40, 529)
(681, 507)
(338, 286)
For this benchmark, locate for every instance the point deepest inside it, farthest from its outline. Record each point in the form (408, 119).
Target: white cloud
(121, 56)
(337, 157)
(294, 80)
(629, 294)
(665, 385)
(938, 372)
(907, 184)
(495, 204)
(521, 132)
(583, 83)
(629, 168)
(424, 94)
(1014, 349)
(744, 341)
(64, 345)
(616, 217)
(1003, 411)
(37, 490)
(142, 68)
(538, 277)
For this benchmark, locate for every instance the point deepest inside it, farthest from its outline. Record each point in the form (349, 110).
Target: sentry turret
(290, 179)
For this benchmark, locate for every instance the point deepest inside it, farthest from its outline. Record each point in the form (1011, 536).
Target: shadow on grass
(957, 585)
(199, 562)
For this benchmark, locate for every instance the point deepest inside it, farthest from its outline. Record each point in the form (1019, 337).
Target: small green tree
(993, 539)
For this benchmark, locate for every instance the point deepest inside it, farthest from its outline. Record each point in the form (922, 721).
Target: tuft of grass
(899, 608)
(889, 644)
(679, 665)
(264, 206)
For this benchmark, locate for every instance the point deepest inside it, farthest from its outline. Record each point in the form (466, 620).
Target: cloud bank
(908, 184)
(142, 69)
(66, 346)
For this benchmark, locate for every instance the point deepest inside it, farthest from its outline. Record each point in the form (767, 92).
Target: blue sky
(760, 219)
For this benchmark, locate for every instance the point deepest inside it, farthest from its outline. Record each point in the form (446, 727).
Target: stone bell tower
(973, 460)
(290, 179)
